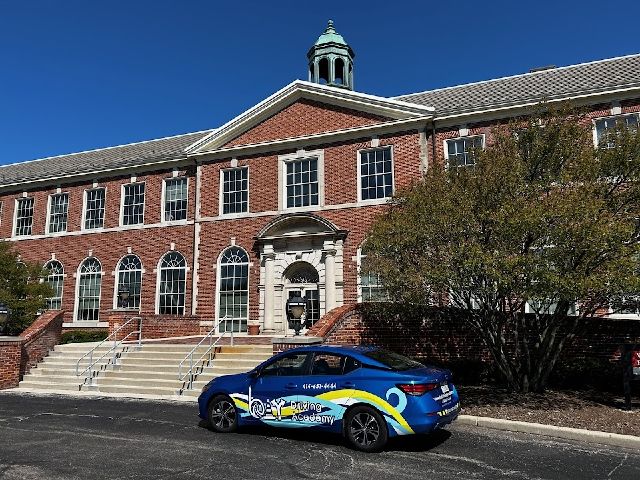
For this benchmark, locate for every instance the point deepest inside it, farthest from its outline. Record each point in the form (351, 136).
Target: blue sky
(78, 75)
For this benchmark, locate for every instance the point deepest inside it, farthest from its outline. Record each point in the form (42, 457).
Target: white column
(268, 257)
(329, 275)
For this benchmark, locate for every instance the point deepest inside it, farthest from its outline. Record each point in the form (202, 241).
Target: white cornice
(297, 90)
(415, 123)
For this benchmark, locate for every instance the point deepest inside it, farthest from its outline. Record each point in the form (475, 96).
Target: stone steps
(151, 370)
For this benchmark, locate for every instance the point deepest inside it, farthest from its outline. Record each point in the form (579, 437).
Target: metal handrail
(113, 349)
(189, 356)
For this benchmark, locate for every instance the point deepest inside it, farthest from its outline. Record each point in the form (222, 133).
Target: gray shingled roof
(550, 84)
(99, 160)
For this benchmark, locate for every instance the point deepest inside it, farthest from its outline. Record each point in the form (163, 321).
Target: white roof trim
(395, 109)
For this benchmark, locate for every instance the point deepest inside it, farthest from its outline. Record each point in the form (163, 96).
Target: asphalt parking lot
(60, 437)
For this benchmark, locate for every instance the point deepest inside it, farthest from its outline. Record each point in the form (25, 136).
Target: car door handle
(290, 386)
(348, 385)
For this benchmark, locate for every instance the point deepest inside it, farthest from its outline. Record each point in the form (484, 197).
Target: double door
(311, 294)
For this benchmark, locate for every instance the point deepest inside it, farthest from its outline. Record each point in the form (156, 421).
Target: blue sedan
(367, 394)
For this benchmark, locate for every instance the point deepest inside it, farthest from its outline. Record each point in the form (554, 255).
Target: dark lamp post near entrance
(295, 309)
(123, 296)
(4, 317)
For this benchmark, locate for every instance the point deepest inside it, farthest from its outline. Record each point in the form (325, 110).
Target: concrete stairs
(152, 370)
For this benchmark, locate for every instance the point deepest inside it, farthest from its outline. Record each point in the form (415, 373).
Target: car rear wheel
(365, 429)
(223, 416)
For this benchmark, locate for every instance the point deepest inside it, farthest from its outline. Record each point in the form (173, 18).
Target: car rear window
(393, 360)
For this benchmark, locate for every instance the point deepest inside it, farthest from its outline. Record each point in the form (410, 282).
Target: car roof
(358, 351)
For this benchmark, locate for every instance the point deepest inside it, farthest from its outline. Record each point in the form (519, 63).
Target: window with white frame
(460, 151)
(55, 279)
(89, 290)
(175, 199)
(629, 305)
(371, 286)
(172, 284)
(130, 281)
(547, 307)
(58, 211)
(233, 292)
(235, 190)
(24, 216)
(605, 128)
(376, 174)
(94, 208)
(301, 182)
(133, 204)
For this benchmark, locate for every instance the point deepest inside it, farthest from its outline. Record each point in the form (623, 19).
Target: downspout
(433, 140)
(196, 241)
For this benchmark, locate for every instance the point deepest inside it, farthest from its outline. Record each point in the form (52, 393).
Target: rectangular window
(175, 199)
(371, 286)
(302, 183)
(460, 151)
(94, 208)
(605, 128)
(376, 174)
(235, 190)
(58, 210)
(133, 204)
(24, 216)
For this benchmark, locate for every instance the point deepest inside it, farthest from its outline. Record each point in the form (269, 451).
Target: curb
(592, 436)
(105, 395)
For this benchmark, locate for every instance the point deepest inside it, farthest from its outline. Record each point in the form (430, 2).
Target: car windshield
(393, 360)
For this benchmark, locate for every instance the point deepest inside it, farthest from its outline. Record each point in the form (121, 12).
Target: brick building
(230, 222)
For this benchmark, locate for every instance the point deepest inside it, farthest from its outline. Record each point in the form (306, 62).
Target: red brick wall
(40, 338)
(156, 326)
(20, 354)
(10, 360)
(305, 117)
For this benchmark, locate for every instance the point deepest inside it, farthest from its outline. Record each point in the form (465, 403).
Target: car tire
(365, 429)
(223, 414)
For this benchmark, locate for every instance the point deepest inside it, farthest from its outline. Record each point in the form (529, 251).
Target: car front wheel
(365, 429)
(223, 415)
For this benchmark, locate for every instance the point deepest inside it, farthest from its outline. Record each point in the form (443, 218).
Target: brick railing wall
(19, 354)
(156, 326)
(443, 338)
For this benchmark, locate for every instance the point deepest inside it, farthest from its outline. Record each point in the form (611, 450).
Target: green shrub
(80, 336)
(587, 373)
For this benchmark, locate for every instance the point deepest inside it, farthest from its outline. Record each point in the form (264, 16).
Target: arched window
(233, 290)
(323, 70)
(130, 281)
(89, 286)
(371, 288)
(55, 280)
(339, 71)
(172, 284)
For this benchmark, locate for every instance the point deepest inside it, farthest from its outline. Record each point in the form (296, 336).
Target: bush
(80, 336)
(587, 373)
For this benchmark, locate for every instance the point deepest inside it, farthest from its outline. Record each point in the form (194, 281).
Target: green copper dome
(330, 36)
(331, 60)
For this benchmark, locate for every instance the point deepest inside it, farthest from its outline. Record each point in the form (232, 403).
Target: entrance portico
(299, 254)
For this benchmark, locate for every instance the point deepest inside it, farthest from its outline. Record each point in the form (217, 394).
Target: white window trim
(221, 193)
(163, 200)
(595, 120)
(460, 137)
(217, 299)
(144, 205)
(85, 199)
(282, 184)
(376, 201)
(576, 312)
(48, 219)
(186, 282)
(76, 301)
(15, 217)
(116, 282)
(63, 275)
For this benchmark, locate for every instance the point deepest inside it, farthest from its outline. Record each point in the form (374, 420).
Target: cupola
(331, 60)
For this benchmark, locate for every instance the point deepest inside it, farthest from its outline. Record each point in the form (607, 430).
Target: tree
(543, 224)
(21, 289)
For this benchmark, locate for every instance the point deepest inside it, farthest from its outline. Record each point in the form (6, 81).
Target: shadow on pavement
(409, 443)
